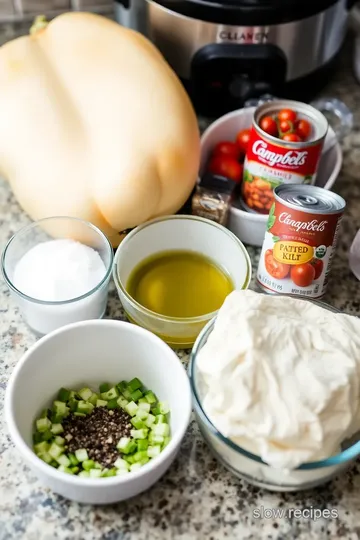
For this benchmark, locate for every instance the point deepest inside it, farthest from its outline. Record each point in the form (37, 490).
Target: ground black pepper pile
(98, 432)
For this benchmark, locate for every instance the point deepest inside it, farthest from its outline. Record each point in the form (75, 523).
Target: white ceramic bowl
(180, 232)
(250, 227)
(92, 352)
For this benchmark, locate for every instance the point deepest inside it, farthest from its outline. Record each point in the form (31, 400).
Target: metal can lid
(311, 199)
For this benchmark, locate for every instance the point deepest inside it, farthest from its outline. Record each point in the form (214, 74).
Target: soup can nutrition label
(300, 240)
(271, 161)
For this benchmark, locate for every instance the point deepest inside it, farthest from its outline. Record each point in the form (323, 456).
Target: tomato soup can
(271, 161)
(300, 240)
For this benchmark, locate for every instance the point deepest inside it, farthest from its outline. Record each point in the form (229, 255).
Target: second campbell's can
(271, 161)
(300, 240)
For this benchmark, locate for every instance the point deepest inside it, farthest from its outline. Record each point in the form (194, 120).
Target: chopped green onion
(63, 460)
(85, 393)
(101, 403)
(37, 437)
(79, 414)
(122, 402)
(112, 404)
(164, 407)
(153, 451)
(155, 410)
(131, 408)
(150, 397)
(84, 474)
(134, 384)
(93, 400)
(84, 407)
(110, 394)
(136, 395)
(135, 467)
(81, 454)
(56, 429)
(59, 440)
(88, 464)
(140, 413)
(73, 403)
(144, 406)
(73, 459)
(95, 473)
(104, 387)
(46, 413)
(43, 424)
(64, 394)
(139, 433)
(142, 444)
(143, 400)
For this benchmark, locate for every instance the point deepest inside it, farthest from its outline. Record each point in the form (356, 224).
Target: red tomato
(286, 126)
(302, 274)
(291, 137)
(276, 269)
(318, 266)
(303, 129)
(287, 114)
(242, 139)
(269, 125)
(227, 148)
(226, 166)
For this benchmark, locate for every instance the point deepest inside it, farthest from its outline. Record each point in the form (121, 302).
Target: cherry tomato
(287, 114)
(276, 269)
(227, 148)
(318, 266)
(226, 166)
(303, 129)
(242, 139)
(302, 274)
(291, 137)
(269, 125)
(285, 126)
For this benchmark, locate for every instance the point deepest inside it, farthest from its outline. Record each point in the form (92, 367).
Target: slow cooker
(227, 51)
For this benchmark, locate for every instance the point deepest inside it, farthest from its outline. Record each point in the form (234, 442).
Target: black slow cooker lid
(249, 12)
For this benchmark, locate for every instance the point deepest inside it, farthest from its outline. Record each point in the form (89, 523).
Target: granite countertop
(197, 498)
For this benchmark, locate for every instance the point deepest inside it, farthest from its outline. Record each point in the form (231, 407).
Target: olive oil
(179, 284)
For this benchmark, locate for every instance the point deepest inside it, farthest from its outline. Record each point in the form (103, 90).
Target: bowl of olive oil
(173, 273)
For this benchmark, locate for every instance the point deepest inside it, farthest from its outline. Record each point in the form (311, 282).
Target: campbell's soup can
(300, 240)
(271, 161)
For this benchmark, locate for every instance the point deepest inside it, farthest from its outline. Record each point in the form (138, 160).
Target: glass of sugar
(58, 271)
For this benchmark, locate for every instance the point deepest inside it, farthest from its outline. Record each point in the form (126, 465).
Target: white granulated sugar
(59, 270)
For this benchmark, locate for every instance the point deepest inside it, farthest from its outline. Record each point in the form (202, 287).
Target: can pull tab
(338, 115)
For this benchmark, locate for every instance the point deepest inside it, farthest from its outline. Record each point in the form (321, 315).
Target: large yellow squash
(94, 124)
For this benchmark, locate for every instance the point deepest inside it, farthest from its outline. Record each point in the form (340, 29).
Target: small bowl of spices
(100, 421)
(58, 270)
(173, 274)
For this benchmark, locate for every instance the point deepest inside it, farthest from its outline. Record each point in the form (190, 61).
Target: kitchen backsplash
(21, 10)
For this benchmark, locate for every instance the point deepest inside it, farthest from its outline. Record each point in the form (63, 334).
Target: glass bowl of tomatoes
(223, 149)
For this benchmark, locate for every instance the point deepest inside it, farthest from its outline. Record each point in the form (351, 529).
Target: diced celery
(56, 429)
(121, 386)
(135, 467)
(144, 406)
(139, 456)
(84, 474)
(112, 404)
(63, 460)
(60, 408)
(41, 447)
(122, 402)
(164, 407)
(131, 408)
(65, 469)
(57, 418)
(121, 472)
(137, 423)
(161, 429)
(64, 394)
(142, 414)
(150, 396)
(104, 387)
(46, 457)
(46, 413)
(101, 403)
(75, 469)
(139, 433)
(95, 473)
(97, 465)
(43, 424)
(150, 420)
(153, 451)
(155, 439)
(72, 394)
(126, 445)
(59, 440)
(155, 410)
(143, 400)
(93, 399)
(46, 435)
(73, 459)
(121, 464)
(88, 464)
(37, 437)
(127, 394)
(79, 414)
(136, 395)
(110, 394)
(54, 463)
(142, 444)
(160, 419)
(81, 454)
(73, 403)
(84, 407)
(134, 384)
(166, 441)
(129, 459)
(85, 393)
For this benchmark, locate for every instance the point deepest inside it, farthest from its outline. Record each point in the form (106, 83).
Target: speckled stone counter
(197, 498)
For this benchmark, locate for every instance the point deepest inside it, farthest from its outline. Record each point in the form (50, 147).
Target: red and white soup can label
(300, 240)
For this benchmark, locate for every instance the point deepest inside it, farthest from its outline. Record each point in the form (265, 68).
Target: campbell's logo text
(293, 158)
(313, 225)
